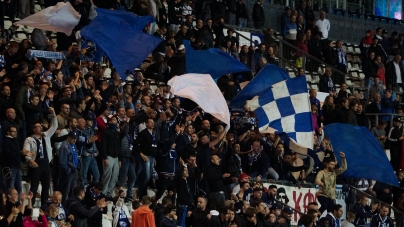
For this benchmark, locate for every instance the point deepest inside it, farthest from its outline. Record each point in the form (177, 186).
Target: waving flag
(125, 18)
(364, 155)
(202, 89)
(213, 61)
(262, 82)
(286, 108)
(59, 18)
(90, 51)
(125, 45)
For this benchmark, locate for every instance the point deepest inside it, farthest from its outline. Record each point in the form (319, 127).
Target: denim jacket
(66, 159)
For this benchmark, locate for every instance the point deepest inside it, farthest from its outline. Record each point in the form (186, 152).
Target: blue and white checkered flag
(286, 108)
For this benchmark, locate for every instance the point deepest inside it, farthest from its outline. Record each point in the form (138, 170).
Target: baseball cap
(367, 31)
(242, 176)
(384, 31)
(288, 210)
(73, 135)
(276, 206)
(181, 47)
(397, 119)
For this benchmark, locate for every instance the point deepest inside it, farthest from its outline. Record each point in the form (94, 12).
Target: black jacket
(145, 145)
(198, 218)
(90, 202)
(215, 178)
(258, 13)
(391, 77)
(369, 67)
(110, 143)
(323, 84)
(11, 153)
(80, 213)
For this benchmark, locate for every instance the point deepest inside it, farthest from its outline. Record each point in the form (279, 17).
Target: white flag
(59, 18)
(202, 89)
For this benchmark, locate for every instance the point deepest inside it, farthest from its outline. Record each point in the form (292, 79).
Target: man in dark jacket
(221, 220)
(170, 219)
(217, 180)
(146, 146)
(326, 84)
(285, 168)
(199, 216)
(12, 158)
(258, 14)
(110, 151)
(256, 163)
(227, 86)
(93, 194)
(79, 211)
(394, 72)
(159, 209)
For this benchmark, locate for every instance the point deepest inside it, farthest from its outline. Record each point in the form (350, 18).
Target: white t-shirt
(324, 27)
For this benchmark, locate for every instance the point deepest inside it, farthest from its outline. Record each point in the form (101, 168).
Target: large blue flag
(213, 61)
(285, 108)
(365, 157)
(126, 46)
(262, 82)
(90, 51)
(125, 18)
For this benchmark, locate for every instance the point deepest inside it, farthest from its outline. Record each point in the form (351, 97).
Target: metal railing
(375, 199)
(345, 28)
(291, 54)
(375, 120)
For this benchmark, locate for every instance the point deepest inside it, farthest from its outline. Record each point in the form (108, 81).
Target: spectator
(395, 137)
(170, 219)
(334, 217)
(350, 217)
(94, 194)
(258, 14)
(395, 73)
(362, 210)
(377, 88)
(241, 14)
(326, 194)
(388, 105)
(380, 132)
(366, 42)
(110, 151)
(382, 217)
(79, 211)
(361, 117)
(326, 83)
(377, 48)
(143, 216)
(69, 165)
(324, 27)
(341, 60)
(290, 30)
(39, 144)
(285, 18)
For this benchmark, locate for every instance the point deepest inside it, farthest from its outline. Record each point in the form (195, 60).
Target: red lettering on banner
(297, 203)
(307, 198)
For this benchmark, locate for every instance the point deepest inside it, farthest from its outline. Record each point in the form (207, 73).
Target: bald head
(57, 198)
(10, 113)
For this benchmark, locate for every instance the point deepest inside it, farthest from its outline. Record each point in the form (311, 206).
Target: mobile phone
(35, 212)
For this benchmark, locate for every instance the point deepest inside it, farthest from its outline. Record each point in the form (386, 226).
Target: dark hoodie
(80, 213)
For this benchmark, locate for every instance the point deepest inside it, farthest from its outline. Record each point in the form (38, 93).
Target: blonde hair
(52, 210)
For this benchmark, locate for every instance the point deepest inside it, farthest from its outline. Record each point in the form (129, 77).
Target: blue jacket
(389, 105)
(66, 159)
(288, 27)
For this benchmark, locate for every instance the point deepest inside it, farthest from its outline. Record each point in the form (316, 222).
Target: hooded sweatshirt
(143, 217)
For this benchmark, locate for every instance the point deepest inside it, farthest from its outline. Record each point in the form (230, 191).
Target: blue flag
(286, 108)
(213, 61)
(126, 46)
(365, 157)
(262, 82)
(125, 18)
(90, 51)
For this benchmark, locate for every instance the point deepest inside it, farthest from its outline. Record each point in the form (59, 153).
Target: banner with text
(298, 199)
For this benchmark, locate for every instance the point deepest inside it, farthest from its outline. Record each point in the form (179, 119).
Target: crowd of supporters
(67, 128)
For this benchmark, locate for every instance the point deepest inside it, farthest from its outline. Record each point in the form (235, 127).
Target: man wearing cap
(89, 153)
(69, 165)
(287, 212)
(395, 137)
(39, 144)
